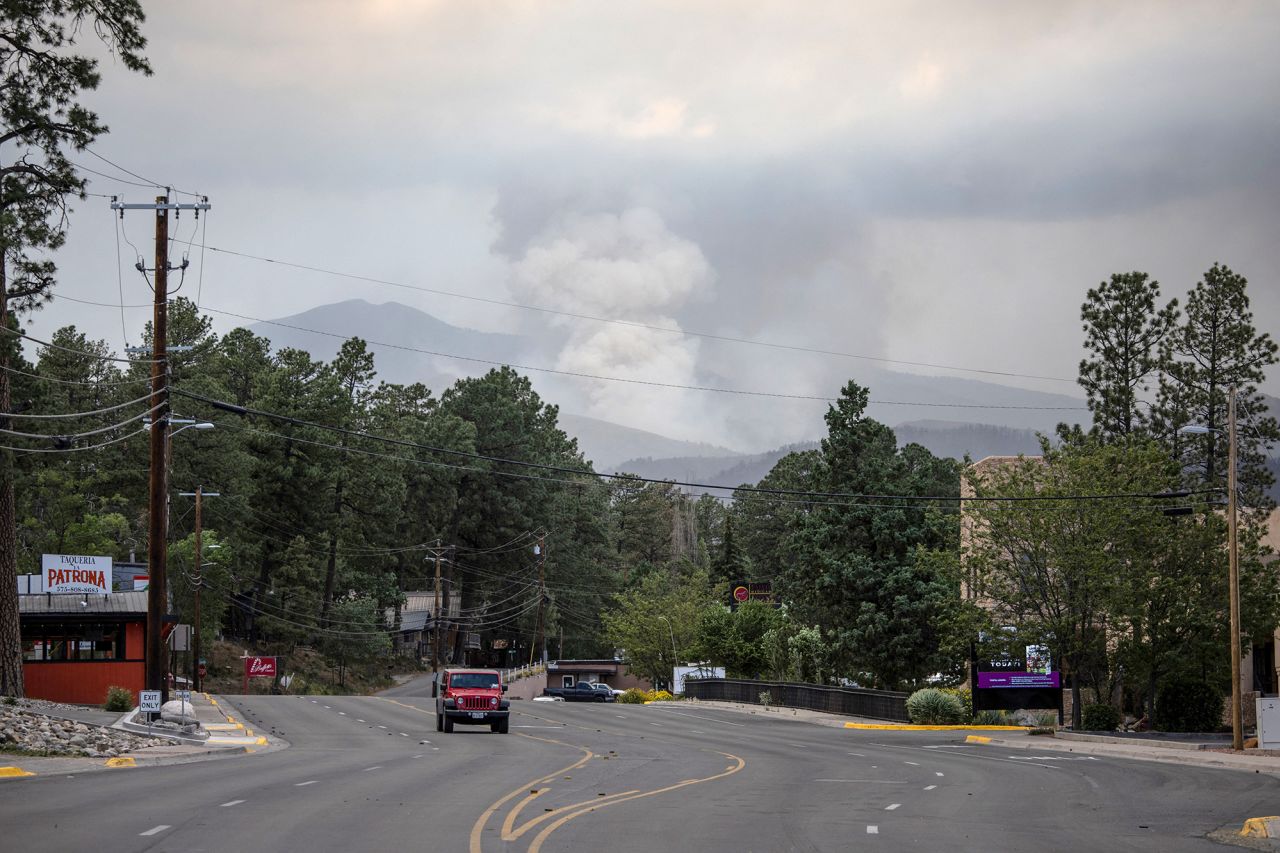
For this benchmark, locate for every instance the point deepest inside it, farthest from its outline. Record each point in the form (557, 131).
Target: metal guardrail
(851, 701)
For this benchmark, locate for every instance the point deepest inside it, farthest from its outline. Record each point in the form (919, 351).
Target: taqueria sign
(76, 573)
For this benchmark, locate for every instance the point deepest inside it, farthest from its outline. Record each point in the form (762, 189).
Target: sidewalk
(1185, 752)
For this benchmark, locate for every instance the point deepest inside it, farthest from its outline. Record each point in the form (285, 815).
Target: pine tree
(42, 118)
(1124, 331)
(1217, 346)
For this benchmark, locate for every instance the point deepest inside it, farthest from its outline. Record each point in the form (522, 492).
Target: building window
(73, 642)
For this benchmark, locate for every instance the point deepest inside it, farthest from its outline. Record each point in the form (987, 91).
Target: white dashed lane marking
(937, 773)
(374, 767)
(232, 803)
(300, 784)
(892, 806)
(359, 720)
(155, 830)
(912, 763)
(382, 727)
(873, 830)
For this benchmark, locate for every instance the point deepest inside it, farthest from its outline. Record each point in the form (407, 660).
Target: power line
(80, 352)
(73, 449)
(140, 177)
(86, 434)
(630, 323)
(24, 416)
(101, 384)
(246, 411)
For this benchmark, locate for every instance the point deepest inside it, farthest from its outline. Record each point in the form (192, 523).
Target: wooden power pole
(158, 533)
(156, 668)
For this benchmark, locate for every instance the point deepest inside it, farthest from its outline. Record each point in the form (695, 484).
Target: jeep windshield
(474, 680)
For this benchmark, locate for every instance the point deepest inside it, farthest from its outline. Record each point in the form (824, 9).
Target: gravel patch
(28, 729)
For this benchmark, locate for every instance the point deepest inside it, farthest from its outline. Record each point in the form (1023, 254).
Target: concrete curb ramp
(1261, 827)
(11, 772)
(906, 727)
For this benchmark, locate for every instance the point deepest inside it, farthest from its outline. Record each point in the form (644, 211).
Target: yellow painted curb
(7, 772)
(261, 741)
(248, 732)
(906, 727)
(124, 761)
(977, 739)
(1258, 827)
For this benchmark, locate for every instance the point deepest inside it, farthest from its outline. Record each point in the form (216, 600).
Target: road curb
(14, 772)
(910, 727)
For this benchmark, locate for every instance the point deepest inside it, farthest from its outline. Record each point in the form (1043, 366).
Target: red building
(75, 646)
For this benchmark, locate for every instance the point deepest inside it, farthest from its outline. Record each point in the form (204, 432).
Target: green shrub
(1099, 718)
(634, 696)
(766, 698)
(1188, 705)
(933, 707)
(966, 701)
(993, 718)
(118, 699)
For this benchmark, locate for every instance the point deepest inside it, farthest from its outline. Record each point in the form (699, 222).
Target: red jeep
(472, 697)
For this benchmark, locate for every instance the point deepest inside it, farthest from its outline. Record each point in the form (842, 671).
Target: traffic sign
(149, 701)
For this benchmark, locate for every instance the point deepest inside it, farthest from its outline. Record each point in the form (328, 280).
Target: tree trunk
(1075, 696)
(10, 622)
(331, 571)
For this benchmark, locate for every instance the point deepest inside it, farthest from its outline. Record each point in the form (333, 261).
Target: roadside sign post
(149, 704)
(258, 667)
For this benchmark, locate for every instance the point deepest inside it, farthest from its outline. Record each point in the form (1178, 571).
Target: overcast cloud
(932, 182)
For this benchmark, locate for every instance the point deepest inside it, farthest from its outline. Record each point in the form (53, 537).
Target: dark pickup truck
(580, 692)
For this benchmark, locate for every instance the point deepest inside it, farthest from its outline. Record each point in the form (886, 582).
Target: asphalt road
(371, 773)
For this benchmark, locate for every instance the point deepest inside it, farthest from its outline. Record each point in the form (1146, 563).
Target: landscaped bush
(1188, 705)
(118, 699)
(933, 707)
(660, 696)
(1099, 718)
(966, 701)
(634, 696)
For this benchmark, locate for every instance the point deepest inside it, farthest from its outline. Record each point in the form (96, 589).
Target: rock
(178, 711)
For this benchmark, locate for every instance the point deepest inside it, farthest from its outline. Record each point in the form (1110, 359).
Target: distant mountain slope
(607, 444)
(393, 323)
(949, 438)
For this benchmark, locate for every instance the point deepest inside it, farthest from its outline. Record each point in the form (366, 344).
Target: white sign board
(184, 695)
(74, 573)
(149, 701)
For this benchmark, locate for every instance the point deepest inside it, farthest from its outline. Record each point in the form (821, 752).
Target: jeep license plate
(477, 715)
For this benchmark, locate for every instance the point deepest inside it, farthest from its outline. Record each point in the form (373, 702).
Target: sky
(929, 182)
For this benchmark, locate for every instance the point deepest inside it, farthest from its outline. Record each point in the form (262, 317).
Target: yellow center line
(510, 834)
(541, 838)
(477, 830)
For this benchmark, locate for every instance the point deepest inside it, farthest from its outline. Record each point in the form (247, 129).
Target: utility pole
(541, 553)
(1233, 575)
(158, 529)
(197, 581)
(435, 613)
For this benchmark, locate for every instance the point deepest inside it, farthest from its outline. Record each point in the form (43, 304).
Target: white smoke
(630, 267)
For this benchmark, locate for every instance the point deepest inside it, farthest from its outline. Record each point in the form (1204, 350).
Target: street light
(675, 658)
(1233, 564)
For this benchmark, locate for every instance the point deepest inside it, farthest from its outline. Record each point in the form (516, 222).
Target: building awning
(603, 667)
